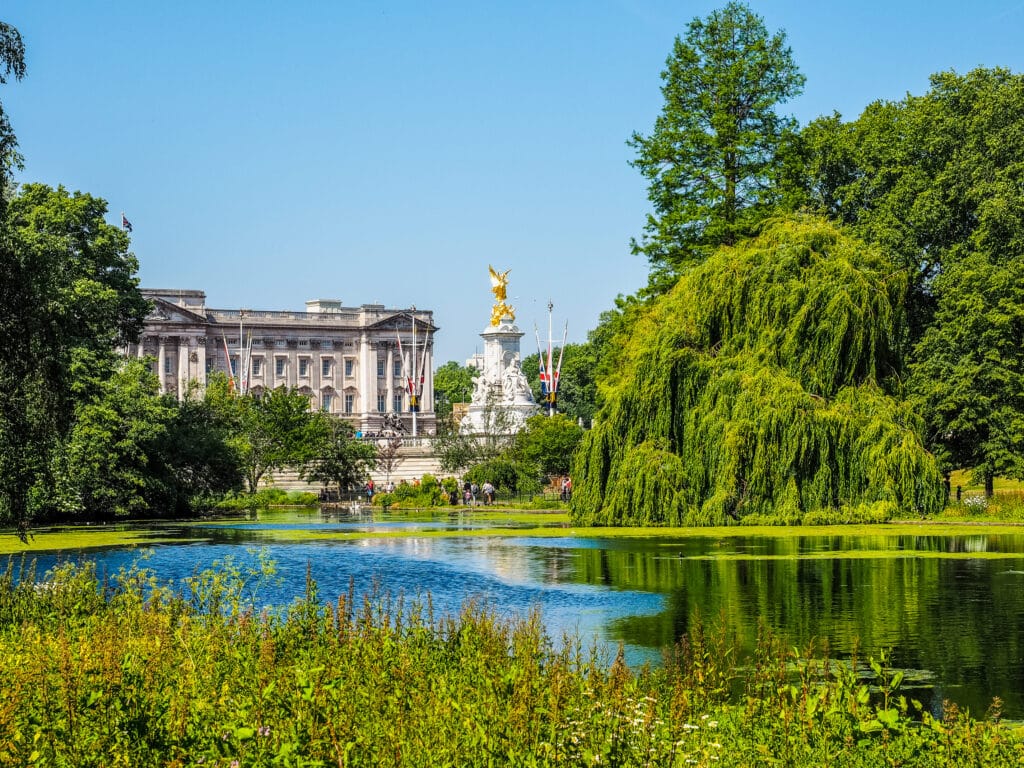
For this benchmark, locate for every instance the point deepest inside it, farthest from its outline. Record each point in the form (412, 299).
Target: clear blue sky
(386, 152)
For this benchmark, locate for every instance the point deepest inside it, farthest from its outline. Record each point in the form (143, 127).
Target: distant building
(345, 359)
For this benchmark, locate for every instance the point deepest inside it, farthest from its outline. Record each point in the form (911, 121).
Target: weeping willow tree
(761, 385)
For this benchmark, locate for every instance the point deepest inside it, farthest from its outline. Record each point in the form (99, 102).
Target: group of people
(471, 491)
(371, 489)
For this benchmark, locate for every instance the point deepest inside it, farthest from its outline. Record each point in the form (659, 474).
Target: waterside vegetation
(129, 672)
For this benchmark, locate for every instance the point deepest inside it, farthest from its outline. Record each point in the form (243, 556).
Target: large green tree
(936, 180)
(710, 161)
(106, 466)
(338, 457)
(268, 433)
(12, 63)
(68, 294)
(548, 443)
(453, 383)
(762, 384)
(968, 376)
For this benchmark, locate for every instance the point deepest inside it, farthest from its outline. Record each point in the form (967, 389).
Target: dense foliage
(936, 181)
(759, 386)
(453, 383)
(144, 675)
(710, 161)
(68, 299)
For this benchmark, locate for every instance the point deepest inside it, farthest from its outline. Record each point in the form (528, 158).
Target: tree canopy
(710, 160)
(936, 181)
(761, 385)
(69, 297)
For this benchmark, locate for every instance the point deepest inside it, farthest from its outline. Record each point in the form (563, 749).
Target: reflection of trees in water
(963, 619)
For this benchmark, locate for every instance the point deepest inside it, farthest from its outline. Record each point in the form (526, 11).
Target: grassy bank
(125, 675)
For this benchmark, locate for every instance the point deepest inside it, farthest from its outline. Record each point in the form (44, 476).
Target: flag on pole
(125, 224)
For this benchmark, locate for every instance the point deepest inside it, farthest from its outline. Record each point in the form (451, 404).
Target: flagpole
(413, 393)
(558, 369)
(241, 341)
(551, 382)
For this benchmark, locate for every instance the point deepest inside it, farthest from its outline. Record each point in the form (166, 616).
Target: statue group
(501, 393)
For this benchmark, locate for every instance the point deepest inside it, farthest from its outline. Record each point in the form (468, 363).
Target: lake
(949, 606)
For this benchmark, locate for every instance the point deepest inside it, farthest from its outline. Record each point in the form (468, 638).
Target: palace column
(184, 358)
(365, 378)
(161, 362)
(201, 363)
(428, 379)
(390, 372)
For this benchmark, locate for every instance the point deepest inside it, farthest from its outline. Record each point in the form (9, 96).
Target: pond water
(949, 608)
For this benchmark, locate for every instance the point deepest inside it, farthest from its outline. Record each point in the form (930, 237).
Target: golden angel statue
(499, 286)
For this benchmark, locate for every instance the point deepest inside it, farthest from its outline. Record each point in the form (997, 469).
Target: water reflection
(949, 607)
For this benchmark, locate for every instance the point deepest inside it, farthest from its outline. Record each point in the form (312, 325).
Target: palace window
(257, 366)
(396, 402)
(234, 366)
(279, 367)
(303, 367)
(326, 400)
(381, 368)
(350, 401)
(348, 367)
(325, 367)
(382, 403)
(396, 369)
(167, 364)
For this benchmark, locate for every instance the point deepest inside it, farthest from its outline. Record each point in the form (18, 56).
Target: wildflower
(690, 727)
(235, 764)
(713, 724)
(263, 730)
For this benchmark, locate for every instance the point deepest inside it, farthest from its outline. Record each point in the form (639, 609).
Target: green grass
(962, 477)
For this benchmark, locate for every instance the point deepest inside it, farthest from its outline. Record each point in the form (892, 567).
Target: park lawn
(962, 477)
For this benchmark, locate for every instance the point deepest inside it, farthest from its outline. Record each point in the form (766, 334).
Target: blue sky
(387, 152)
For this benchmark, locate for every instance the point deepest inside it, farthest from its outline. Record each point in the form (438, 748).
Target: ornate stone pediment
(165, 312)
(402, 321)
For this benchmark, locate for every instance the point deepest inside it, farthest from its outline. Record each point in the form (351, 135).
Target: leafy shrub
(267, 497)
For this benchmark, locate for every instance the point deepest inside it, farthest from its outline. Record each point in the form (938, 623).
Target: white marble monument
(502, 401)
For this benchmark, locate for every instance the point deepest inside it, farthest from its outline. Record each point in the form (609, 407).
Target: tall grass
(126, 672)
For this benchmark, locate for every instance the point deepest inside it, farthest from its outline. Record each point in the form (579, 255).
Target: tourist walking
(488, 493)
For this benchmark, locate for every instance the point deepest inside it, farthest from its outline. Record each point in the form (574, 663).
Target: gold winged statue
(499, 287)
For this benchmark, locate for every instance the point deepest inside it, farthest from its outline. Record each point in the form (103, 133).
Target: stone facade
(345, 359)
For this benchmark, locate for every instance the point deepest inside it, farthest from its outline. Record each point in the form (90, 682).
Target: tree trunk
(989, 485)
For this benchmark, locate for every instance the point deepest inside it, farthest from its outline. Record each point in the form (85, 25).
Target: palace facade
(349, 361)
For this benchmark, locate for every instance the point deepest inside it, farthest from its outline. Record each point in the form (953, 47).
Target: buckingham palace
(351, 361)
